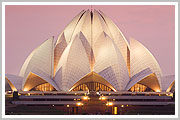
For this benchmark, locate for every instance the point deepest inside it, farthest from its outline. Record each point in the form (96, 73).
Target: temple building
(91, 55)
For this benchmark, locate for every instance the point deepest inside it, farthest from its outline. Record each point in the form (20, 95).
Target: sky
(26, 27)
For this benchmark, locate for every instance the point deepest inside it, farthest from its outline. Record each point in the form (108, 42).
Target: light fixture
(98, 93)
(102, 98)
(157, 90)
(109, 104)
(85, 98)
(25, 89)
(79, 104)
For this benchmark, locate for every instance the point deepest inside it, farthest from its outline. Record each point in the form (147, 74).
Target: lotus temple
(91, 61)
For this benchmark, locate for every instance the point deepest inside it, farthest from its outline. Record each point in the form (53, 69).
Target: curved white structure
(145, 77)
(141, 58)
(73, 65)
(167, 82)
(107, 55)
(14, 81)
(41, 58)
(68, 31)
(117, 37)
(138, 77)
(91, 51)
(58, 51)
(37, 77)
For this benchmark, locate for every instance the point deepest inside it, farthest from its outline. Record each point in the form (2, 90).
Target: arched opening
(151, 81)
(43, 87)
(37, 83)
(9, 85)
(92, 82)
(140, 88)
(92, 86)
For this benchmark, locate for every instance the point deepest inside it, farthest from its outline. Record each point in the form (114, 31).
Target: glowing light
(67, 105)
(171, 94)
(157, 90)
(85, 98)
(127, 105)
(102, 98)
(122, 105)
(25, 89)
(115, 110)
(9, 91)
(79, 104)
(109, 103)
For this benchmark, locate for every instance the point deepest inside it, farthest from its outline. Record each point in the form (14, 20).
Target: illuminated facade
(91, 54)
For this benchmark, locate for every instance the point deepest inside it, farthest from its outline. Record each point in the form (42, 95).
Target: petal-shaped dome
(167, 82)
(138, 77)
(110, 63)
(98, 26)
(141, 59)
(91, 24)
(41, 58)
(91, 43)
(145, 77)
(25, 65)
(59, 49)
(117, 36)
(73, 65)
(88, 49)
(69, 30)
(84, 26)
(36, 78)
(14, 81)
